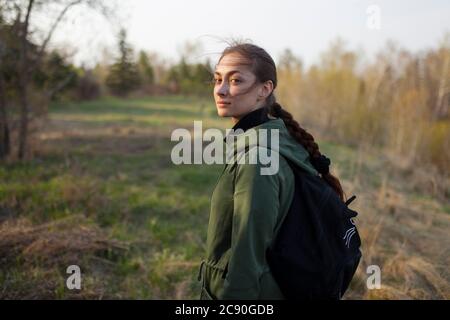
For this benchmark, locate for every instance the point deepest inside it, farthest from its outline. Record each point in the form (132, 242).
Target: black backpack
(316, 250)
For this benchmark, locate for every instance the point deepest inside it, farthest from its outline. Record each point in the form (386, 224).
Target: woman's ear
(266, 89)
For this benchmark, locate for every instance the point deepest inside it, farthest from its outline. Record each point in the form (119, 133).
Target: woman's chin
(223, 112)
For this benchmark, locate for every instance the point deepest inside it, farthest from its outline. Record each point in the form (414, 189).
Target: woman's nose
(222, 90)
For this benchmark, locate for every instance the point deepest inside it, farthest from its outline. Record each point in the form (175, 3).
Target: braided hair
(264, 68)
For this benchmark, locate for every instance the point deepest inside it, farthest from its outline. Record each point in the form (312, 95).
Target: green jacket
(247, 209)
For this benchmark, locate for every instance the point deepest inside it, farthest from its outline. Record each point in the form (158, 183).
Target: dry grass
(54, 242)
(42, 252)
(406, 236)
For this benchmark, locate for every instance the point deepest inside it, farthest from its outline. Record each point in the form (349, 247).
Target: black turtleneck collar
(252, 119)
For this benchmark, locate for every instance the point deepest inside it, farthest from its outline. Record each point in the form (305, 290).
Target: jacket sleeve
(256, 207)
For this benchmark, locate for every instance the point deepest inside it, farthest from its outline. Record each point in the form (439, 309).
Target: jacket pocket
(212, 276)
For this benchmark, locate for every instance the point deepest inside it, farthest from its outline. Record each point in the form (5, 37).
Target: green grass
(106, 164)
(126, 184)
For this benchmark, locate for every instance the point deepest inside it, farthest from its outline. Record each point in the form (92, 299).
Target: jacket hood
(288, 147)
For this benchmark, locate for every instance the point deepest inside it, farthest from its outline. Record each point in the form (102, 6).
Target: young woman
(248, 207)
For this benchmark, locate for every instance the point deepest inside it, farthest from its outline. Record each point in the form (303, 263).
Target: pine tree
(146, 69)
(123, 76)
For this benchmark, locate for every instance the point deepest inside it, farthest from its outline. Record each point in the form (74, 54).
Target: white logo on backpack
(349, 234)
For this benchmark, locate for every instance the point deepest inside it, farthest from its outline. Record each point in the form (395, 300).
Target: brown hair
(263, 66)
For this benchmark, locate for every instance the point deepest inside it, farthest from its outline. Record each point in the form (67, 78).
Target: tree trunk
(24, 111)
(5, 142)
(24, 80)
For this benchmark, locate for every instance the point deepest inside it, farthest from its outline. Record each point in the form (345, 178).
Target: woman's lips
(222, 104)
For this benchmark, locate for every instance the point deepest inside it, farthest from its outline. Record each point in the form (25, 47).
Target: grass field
(101, 192)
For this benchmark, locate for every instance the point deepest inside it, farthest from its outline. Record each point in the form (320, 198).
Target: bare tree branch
(27, 17)
(54, 25)
(51, 92)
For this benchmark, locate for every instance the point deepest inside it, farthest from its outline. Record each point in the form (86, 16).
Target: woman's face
(236, 89)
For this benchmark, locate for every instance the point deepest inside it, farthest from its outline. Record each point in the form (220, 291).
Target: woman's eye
(234, 81)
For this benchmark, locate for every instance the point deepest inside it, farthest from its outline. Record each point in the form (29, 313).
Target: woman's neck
(252, 119)
(235, 120)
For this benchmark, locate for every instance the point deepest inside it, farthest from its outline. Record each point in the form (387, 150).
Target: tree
(4, 127)
(190, 78)
(56, 76)
(146, 69)
(289, 62)
(17, 15)
(124, 75)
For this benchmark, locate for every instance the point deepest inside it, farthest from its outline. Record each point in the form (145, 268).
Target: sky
(305, 27)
